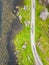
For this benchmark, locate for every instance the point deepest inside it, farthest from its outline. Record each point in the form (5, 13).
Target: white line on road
(36, 56)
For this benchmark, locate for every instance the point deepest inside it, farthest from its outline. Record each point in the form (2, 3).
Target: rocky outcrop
(44, 2)
(44, 14)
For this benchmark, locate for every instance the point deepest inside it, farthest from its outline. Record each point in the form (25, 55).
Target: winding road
(36, 56)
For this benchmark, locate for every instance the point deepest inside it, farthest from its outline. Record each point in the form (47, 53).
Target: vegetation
(42, 35)
(25, 56)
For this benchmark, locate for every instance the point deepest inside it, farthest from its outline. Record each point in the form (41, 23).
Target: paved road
(36, 56)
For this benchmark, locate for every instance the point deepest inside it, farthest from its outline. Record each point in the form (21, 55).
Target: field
(42, 35)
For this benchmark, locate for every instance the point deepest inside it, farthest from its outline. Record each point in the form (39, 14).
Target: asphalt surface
(35, 53)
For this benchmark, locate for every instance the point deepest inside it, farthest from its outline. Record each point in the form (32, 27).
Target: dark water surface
(16, 26)
(0, 16)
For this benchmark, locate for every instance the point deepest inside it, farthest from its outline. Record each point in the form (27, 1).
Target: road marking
(36, 56)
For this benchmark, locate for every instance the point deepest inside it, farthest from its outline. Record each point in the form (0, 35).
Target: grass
(42, 29)
(24, 37)
(19, 41)
(43, 59)
(25, 13)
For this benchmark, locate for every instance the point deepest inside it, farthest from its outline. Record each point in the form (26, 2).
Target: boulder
(17, 7)
(24, 46)
(44, 14)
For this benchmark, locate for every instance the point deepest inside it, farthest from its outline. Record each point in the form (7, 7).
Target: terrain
(42, 34)
(15, 47)
(10, 25)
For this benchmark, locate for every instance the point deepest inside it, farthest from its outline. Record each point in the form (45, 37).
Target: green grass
(42, 29)
(25, 13)
(20, 39)
(42, 56)
(24, 37)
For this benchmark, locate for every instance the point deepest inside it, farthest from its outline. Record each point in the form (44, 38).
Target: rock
(27, 23)
(15, 53)
(24, 46)
(44, 14)
(25, 7)
(44, 2)
(16, 60)
(14, 11)
(17, 7)
(17, 13)
(20, 17)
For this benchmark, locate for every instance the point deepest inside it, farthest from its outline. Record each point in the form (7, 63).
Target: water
(16, 26)
(0, 16)
(14, 29)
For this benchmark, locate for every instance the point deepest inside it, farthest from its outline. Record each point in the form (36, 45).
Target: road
(36, 56)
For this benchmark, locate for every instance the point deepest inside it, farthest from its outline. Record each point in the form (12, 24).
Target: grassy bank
(25, 56)
(42, 35)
